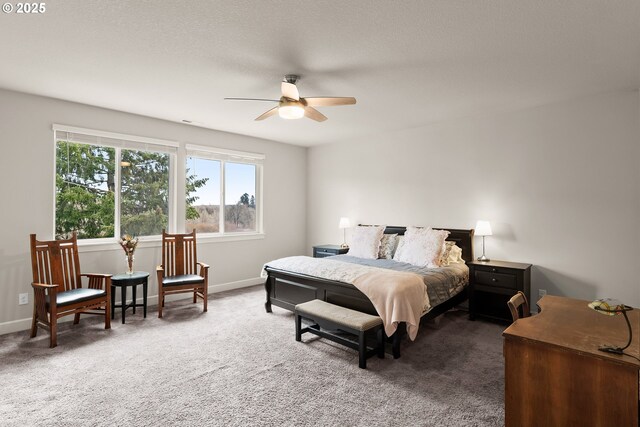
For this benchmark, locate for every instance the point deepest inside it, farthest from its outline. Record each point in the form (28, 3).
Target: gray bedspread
(442, 282)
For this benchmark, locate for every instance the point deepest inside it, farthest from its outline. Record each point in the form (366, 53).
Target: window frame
(225, 156)
(118, 142)
(178, 154)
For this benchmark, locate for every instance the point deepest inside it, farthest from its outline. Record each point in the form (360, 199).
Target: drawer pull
(493, 270)
(494, 279)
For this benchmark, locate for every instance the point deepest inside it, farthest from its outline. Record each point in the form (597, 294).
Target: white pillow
(366, 241)
(422, 247)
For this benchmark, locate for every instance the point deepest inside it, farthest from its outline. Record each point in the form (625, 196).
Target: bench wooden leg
(362, 350)
(380, 342)
(298, 327)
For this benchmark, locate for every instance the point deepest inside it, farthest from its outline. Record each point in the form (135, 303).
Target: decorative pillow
(399, 248)
(365, 241)
(446, 251)
(422, 247)
(455, 255)
(387, 246)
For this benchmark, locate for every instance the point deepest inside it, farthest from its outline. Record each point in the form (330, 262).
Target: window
(216, 178)
(85, 190)
(108, 185)
(203, 195)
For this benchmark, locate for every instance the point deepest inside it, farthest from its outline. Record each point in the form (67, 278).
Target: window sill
(156, 241)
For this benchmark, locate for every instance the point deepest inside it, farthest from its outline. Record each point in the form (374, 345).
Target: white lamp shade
(344, 223)
(483, 228)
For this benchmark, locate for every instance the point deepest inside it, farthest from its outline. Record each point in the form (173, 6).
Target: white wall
(26, 190)
(559, 183)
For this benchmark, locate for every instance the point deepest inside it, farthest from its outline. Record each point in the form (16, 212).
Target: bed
(285, 289)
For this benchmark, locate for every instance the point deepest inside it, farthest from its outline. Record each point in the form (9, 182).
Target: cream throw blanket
(397, 296)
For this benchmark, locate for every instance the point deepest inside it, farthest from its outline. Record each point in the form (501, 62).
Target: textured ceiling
(407, 62)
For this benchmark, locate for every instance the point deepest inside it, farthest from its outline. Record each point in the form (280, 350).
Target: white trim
(96, 245)
(225, 152)
(25, 324)
(115, 135)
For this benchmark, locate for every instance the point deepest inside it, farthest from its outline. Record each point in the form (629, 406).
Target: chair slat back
(518, 306)
(179, 253)
(56, 262)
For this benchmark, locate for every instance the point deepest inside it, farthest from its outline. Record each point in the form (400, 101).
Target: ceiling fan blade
(289, 90)
(314, 114)
(325, 101)
(268, 114)
(251, 99)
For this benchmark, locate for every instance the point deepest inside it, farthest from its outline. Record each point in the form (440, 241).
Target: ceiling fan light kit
(291, 109)
(291, 106)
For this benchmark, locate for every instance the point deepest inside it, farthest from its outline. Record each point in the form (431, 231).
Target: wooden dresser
(556, 376)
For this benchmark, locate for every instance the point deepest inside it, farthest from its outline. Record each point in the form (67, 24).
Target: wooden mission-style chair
(57, 286)
(519, 306)
(178, 274)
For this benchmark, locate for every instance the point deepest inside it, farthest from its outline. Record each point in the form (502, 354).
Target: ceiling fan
(292, 106)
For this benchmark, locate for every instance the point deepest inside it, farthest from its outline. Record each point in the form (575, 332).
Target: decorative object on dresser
(321, 251)
(344, 224)
(492, 284)
(611, 307)
(57, 286)
(483, 228)
(177, 273)
(556, 376)
(519, 306)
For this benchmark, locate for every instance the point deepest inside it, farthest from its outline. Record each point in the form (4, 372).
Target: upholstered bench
(333, 317)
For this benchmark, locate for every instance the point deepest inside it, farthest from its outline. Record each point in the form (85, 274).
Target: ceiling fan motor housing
(291, 78)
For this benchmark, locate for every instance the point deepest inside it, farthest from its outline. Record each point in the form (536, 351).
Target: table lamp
(611, 307)
(483, 228)
(344, 224)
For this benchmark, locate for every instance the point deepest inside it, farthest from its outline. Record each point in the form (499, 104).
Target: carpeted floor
(237, 365)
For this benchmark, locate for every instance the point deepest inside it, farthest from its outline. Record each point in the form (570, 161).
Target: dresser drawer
(497, 279)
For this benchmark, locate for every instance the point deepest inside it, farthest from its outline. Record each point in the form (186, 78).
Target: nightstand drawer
(321, 254)
(321, 251)
(491, 278)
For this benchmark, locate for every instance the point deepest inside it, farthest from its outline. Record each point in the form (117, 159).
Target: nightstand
(322, 251)
(492, 284)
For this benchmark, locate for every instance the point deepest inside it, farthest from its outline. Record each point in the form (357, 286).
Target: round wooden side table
(123, 281)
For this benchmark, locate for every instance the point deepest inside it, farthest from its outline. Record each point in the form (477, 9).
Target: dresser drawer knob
(493, 270)
(494, 279)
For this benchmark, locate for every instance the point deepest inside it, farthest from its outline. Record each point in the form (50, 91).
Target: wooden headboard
(463, 238)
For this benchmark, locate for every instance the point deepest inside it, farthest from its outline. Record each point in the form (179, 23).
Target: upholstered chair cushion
(75, 295)
(182, 279)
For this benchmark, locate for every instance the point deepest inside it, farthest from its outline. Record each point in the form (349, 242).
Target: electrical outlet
(541, 293)
(23, 299)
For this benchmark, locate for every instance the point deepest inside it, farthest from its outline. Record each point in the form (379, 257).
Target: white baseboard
(25, 324)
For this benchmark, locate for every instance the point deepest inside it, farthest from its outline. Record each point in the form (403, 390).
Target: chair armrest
(160, 275)
(98, 281)
(43, 286)
(96, 275)
(204, 272)
(40, 291)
